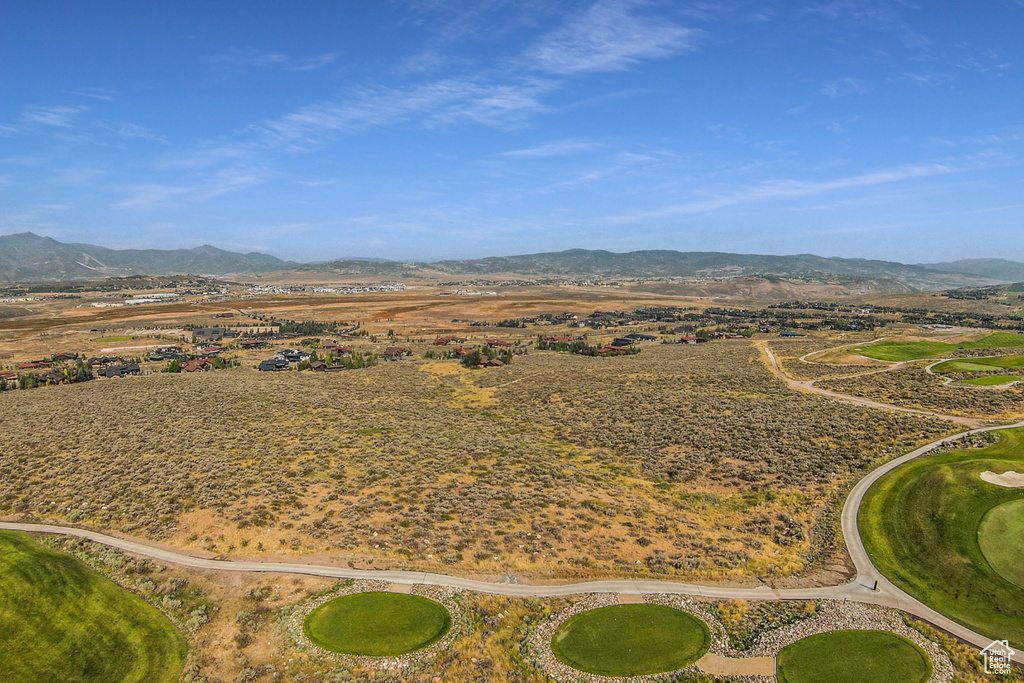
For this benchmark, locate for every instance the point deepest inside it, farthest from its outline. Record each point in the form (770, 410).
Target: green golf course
(992, 380)
(631, 640)
(853, 657)
(1001, 538)
(919, 350)
(952, 540)
(62, 621)
(377, 624)
(980, 364)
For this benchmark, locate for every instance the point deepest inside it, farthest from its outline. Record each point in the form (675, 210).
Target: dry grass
(683, 460)
(912, 387)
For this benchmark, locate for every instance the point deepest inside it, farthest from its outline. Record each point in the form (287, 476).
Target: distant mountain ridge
(27, 257)
(997, 268)
(668, 263)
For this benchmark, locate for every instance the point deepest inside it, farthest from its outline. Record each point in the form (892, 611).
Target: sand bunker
(1011, 480)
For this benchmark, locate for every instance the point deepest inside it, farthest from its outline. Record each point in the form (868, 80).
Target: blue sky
(428, 129)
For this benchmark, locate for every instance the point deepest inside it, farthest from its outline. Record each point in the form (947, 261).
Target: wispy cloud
(554, 149)
(843, 87)
(131, 131)
(436, 102)
(203, 158)
(253, 58)
(155, 195)
(311, 63)
(96, 93)
(782, 189)
(250, 57)
(609, 36)
(58, 116)
(927, 79)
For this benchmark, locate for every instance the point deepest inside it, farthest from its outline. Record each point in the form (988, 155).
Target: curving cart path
(860, 589)
(809, 385)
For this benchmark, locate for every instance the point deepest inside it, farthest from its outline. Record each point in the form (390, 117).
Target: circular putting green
(631, 640)
(853, 657)
(377, 624)
(1001, 537)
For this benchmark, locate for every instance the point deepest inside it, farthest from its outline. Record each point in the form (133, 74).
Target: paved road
(860, 589)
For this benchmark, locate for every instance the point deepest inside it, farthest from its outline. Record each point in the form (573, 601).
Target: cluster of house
(166, 353)
(458, 349)
(212, 334)
(448, 341)
(111, 371)
(54, 368)
(284, 360)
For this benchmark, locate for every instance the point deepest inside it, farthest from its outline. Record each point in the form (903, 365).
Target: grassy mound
(920, 524)
(61, 621)
(1001, 539)
(377, 624)
(992, 380)
(631, 640)
(853, 657)
(903, 351)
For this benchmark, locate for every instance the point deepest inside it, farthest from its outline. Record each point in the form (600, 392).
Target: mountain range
(26, 257)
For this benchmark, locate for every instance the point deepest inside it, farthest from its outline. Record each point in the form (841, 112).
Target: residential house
(111, 371)
(197, 365)
(52, 377)
(396, 352)
(35, 365)
(293, 355)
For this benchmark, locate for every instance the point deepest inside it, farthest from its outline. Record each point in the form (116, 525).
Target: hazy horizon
(447, 129)
(372, 257)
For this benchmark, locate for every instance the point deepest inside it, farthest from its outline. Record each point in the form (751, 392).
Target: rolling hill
(27, 257)
(890, 275)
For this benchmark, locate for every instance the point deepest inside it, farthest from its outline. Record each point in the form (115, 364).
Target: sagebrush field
(691, 460)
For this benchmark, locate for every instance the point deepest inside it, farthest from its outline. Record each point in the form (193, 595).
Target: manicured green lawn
(853, 657)
(631, 640)
(980, 364)
(1002, 540)
(992, 380)
(902, 351)
(62, 621)
(377, 624)
(920, 524)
